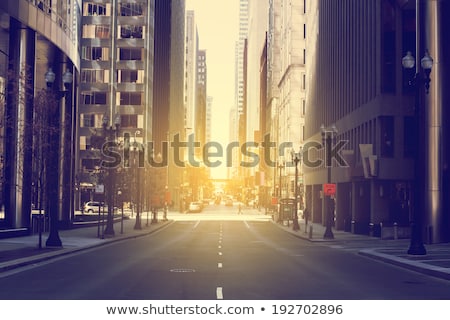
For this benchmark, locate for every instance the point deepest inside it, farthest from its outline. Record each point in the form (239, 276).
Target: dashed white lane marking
(219, 293)
(196, 225)
(220, 247)
(247, 225)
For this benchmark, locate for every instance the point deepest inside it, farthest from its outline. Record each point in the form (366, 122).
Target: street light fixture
(296, 158)
(110, 133)
(67, 79)
(426, 63)
(416, 246)
(328, 138)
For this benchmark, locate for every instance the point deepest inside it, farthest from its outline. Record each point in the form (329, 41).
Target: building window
(130, 98)
(92, 31)
(388, 46)
(387, 136)
(408, 44)
(130, 9)
(409, 138)
(90, 164)
(93, 76)
(129, 76)
(130, 32)
(130, 54)
(94, 9)
(87, 120)
(93, 97)
(94, 53)
(128, 121)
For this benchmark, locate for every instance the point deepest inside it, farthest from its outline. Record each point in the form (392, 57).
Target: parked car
(195, 207)
(229, 202)
(93, 207)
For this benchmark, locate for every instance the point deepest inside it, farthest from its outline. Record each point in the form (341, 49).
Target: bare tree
(35, 151)
(44, 151)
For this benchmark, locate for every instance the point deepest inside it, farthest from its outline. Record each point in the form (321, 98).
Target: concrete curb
(301, 234)
(439, 272)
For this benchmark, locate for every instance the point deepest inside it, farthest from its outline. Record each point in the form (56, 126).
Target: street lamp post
(137, 151)
(110, 134)
(419, 82)
(296, 158)
(53, 154)
(328, 138)
(280, 166)
(119, 195)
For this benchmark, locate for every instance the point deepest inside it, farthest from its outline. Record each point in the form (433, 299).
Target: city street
(218, 254)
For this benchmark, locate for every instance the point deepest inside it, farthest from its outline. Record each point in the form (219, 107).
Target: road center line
(196, 225)
(247, 225)
(219, 265)
(219, 293)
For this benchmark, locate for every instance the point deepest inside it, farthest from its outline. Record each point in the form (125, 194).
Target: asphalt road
(214, 256)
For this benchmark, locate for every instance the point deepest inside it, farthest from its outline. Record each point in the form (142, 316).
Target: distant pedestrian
(306, 215)
(239, 208)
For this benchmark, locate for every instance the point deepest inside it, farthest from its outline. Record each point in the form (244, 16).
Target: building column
(316, 201)
(19, 117)
(343, 206)
(437, 201)
(360, 207)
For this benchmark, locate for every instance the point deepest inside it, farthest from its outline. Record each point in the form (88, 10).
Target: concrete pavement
(20, 251)
(435, 263)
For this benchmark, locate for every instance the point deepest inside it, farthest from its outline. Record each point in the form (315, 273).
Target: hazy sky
(218, 28)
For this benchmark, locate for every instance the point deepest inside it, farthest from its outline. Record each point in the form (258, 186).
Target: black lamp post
(328, 138)
(137, 152)
(280, 166)
(110, 134)
(52, 154)
(419, 82)
(296, 158)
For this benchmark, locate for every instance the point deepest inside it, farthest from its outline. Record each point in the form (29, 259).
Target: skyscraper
(357, 83)
(169, 93)
(116, 78)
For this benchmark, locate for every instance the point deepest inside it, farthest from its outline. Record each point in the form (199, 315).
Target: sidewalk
(21, 251)
(435, 263)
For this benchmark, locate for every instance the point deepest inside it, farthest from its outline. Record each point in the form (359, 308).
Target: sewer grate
(182, 270)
